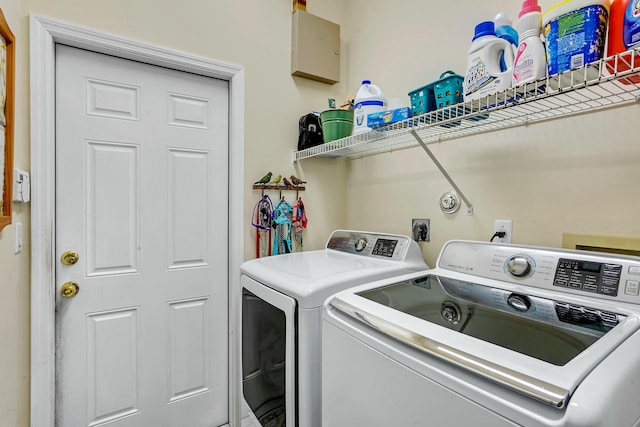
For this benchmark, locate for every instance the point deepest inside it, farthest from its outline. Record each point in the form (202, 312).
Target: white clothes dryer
(282, 299)
(495, 335)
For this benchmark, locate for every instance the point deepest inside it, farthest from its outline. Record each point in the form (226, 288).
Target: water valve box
(315, 48)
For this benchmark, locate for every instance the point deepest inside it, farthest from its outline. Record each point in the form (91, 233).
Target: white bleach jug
(368, 100)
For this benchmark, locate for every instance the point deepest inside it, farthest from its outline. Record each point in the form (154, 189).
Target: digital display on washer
(548, 330)
(590, 266)
(385, 247)
(595, 277)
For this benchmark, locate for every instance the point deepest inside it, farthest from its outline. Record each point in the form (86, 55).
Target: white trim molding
(45, 34)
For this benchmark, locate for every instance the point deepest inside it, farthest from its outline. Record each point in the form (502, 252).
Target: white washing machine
(494, 335)
(282, 299)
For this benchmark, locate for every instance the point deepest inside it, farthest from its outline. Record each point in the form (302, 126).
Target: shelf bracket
(443, 171)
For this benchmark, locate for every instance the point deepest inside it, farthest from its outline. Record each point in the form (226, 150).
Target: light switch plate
(21, 186)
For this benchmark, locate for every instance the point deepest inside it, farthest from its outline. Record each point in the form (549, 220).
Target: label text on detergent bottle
(572, 23)
(477, 77)
(523, 68)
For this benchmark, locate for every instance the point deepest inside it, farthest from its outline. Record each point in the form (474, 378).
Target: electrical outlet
(421, 230)
(505, 225)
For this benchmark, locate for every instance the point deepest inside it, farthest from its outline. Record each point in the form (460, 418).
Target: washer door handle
(551, 394)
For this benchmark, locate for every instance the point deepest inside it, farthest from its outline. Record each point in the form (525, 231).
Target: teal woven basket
(448, 89)
(422, 100)
(444, 92)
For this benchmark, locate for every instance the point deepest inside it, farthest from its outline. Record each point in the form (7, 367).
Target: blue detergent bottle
(631, 28)
(505, 30)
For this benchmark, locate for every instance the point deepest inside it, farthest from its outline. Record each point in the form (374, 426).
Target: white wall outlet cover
(506, 226)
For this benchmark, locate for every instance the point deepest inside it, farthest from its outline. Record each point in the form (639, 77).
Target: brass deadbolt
(69, 257)
(69, 289)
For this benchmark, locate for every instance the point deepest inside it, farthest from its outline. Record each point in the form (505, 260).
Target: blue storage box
(388, 117)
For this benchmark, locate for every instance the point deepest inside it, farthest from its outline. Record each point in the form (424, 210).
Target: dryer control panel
(388, 246)
(586, 273)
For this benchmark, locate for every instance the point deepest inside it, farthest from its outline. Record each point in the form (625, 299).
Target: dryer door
(268, 354)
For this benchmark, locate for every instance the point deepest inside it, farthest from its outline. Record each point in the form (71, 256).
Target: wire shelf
(611, 81)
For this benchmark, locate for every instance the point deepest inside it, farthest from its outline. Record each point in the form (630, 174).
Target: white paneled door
(141, 198)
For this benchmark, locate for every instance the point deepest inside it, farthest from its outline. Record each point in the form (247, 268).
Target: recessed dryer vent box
(315, 48)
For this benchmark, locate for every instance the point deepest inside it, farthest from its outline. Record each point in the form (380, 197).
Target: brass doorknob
(69, 289)
(69, 257)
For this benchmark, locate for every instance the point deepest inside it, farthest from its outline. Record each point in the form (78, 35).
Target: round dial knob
(361, 243)
(518, 265)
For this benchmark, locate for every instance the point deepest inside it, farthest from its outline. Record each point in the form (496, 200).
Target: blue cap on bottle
(486, 28)
(366, 82)
(508, 33)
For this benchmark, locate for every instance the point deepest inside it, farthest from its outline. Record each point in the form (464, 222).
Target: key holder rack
(279, 188)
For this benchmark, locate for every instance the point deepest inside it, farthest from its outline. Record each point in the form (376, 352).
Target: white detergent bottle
(484, 75)
(531, 60)
(368, 100)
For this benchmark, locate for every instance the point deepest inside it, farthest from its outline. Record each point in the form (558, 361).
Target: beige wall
(14, 269)
(571, 175)
(575, 175)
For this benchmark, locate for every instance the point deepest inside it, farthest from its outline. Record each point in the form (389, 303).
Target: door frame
(45, 33)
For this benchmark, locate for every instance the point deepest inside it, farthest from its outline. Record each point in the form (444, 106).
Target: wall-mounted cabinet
(607, 83)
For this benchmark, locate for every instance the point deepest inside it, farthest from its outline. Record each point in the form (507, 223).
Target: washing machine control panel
(595, 274)
(393, 247)
(597, 277)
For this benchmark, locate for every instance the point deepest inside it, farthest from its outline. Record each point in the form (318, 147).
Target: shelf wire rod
(443, 171)
(608, 88)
